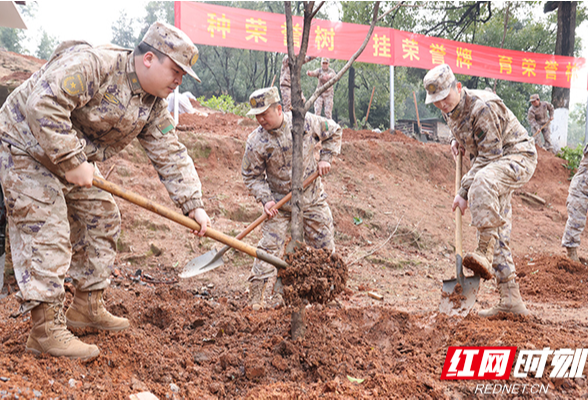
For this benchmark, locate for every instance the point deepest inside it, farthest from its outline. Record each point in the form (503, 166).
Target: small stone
(37, 393)
(210, 285)
(174, 388)
(4, 379)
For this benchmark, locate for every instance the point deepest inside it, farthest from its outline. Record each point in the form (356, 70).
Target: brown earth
(391, 200)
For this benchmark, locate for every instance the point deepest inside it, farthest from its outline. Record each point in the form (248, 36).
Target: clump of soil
(315, 276)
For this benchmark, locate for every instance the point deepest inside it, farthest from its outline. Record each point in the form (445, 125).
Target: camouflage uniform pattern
(285, 83)
(539, 116)
(326, 99)
(267, 173)
(504, 160)
(577, 205)
(85, 104)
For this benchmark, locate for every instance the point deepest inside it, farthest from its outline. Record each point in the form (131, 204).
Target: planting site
(381, 336)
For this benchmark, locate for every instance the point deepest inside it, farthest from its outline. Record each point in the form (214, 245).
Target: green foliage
(573, 158)
(11, 39)
(46, 46)
(123, 32)
(225, 103)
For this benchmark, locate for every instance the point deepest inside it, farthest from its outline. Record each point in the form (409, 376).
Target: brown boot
(256, 293)
(87, 311)
(510, 300)
(50, 335)
(480, 260)
(573, 253)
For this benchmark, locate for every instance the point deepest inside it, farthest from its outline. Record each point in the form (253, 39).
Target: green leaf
(354, 380)
(357, 220)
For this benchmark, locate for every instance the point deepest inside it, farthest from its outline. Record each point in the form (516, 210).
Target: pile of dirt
(313, 276)
(391, 200)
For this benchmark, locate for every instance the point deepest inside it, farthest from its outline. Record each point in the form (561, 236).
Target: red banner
(256, 30)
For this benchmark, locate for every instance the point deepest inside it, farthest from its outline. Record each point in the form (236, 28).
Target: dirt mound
(314, 276)
(394, 229)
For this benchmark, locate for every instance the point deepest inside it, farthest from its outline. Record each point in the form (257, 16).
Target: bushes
(225, 103)
(572, 156)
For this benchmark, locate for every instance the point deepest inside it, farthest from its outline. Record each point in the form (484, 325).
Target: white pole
(392, 99)
(177, 105)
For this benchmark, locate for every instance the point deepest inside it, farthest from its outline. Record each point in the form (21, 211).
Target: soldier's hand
(460, 202)
(82, 175)
(200, 216)
(455, 148)
(267, 208)
(324, 167)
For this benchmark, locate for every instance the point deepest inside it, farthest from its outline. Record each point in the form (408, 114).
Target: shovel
(213, 259)
(459, 300)
(186, 221)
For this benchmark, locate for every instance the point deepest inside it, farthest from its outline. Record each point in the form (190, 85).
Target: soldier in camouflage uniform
(267, 172)
(85, 105)
(285, 85)
(539, 114)
(324, 74)
(504, 159)
(577, 205)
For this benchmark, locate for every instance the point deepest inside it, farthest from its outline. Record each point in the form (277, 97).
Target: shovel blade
(459, 299)
(204, 263)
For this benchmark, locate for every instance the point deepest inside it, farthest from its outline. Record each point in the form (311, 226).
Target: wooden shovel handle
(458, 232)
(183, 220)
(276, 206)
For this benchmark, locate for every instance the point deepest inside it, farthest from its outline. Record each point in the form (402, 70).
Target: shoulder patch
(165, 125)
(74, 84)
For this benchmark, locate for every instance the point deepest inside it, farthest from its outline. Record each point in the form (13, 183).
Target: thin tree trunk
(351, 98)
(564, 46)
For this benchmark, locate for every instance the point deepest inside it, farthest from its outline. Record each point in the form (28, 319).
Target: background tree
(564, 45)
(46, 46)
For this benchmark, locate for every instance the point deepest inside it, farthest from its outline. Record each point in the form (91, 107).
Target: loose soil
(391, 201)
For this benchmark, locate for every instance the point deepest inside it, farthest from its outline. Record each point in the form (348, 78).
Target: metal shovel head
(202, 264)
(459, 295)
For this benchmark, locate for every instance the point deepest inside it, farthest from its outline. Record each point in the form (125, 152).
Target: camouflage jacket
(285, 71)
(488, 130)
(267, 162)
(539, 116)
(86, 104)
(324, 77)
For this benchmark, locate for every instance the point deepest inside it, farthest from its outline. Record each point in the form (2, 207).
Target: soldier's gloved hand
(200, 216)
(324, 167)
(82, 175)
(267, 208)
(461, 203)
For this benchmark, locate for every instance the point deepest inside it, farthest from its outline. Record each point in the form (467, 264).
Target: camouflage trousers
(318, 233)
(327, 102)
(287, 98)
(547, 139)
(55, 228)
(577, 205)
(489, 199)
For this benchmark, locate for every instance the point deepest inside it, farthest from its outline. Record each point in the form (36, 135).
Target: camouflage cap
(262, 99)
(324, 60)
(534, 97)
(438, 83)
(175, 44)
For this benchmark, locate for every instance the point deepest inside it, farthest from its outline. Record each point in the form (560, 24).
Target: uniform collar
(457, 110)
(132, 77)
